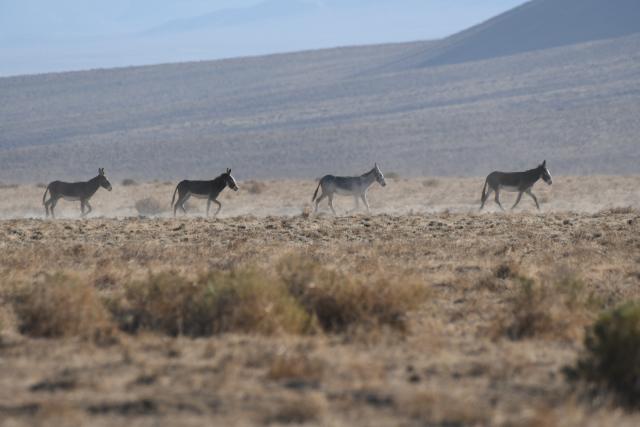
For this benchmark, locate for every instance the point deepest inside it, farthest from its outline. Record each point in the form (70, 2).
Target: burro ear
(229, 170)
(100, 171)
(544, 164)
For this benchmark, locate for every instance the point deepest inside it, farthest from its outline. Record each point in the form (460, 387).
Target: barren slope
(307, 114)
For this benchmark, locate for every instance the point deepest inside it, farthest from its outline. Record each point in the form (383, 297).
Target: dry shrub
(299, 410)
(489, 283)
(128, 182)
(60, 306)
(307, 210)
(498, 278)
(620, 210)
(553, 309)
(41, 185)
(340, 302)
(295, 367)
(507, 270)
(5, 186)
(431, 182)
(241, 301)
(443, 408)
(255, 187)
(149, 206)
(612, 354)
(300, 298)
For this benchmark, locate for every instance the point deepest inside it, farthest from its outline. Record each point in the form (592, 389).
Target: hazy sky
(39, 36)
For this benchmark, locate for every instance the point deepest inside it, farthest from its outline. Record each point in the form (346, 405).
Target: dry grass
(297, 411)
(340, 302)
(439, 407)
(60, 306)
(240, 301)
(251, 319)
(301, 297)
(296, 366)
(558, 308)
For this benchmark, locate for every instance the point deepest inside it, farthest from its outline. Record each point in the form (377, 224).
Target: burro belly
(199, 196)
(347, 191)
(510, 188)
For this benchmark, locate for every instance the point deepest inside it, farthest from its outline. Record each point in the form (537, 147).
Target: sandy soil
(288, 198)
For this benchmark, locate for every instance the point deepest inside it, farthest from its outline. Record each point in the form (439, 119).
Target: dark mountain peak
(537, 25)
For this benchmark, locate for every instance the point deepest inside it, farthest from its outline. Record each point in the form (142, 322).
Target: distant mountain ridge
(536, 25)
(39, 36)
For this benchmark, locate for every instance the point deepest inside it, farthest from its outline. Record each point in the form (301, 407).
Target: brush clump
(340, 302)
(302, 298)
(60, 306)
(240, 301)
(557, 308)
(611, 358)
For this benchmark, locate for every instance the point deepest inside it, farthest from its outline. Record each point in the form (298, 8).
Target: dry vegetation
(442, 316)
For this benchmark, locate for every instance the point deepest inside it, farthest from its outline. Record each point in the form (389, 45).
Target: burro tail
(174, 195)
(316, 192)
(44, 196)
(484, 190)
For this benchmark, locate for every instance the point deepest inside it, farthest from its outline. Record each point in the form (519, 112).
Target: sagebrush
(612, 354)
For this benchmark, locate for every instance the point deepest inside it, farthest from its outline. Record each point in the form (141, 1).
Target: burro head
(230, 180)
(103, 181)
(546, 175)
(379, 175)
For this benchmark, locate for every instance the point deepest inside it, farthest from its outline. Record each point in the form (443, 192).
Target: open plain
(469, 318)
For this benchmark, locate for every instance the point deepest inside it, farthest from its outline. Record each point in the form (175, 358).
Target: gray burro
(355, 186)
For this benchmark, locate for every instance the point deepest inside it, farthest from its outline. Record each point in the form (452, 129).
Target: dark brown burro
(520, 182)
(203, 190)
(82, 191)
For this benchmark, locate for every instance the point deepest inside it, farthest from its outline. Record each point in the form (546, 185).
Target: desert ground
(402, 196)
(424, 312)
